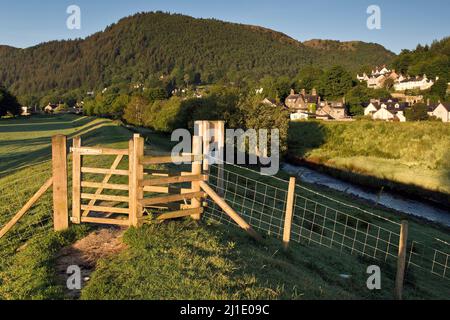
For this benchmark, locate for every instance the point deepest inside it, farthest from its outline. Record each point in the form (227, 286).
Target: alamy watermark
(73, 22)
(374, 280)
(374, 19)
(74, 279)
(239, 145)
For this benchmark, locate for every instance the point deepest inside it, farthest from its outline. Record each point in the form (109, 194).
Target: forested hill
(146, 46)
(433, 60)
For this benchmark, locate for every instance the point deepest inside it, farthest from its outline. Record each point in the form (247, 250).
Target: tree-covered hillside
(149, 46)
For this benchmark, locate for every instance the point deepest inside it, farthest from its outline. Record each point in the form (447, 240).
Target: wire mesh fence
(16, 190)
(324, 221)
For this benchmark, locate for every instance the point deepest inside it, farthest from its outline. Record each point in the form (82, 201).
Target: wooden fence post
(136, 174)
(59, 168)
(196, 169)
(76, 181)
(401, 261)
(289, 213)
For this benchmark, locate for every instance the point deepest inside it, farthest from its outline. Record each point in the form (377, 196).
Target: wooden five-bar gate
(149, 194)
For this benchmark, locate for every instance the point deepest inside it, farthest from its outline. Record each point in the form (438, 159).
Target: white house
(421, 83)
(299, 116)
(388, 111)
(441, 111)
(371, 108)
(25, 111)
(383, 114)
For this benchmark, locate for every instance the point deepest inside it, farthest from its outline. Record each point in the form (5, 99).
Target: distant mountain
(146, 46)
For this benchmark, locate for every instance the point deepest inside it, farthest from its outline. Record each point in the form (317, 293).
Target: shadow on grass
(42, 123)
(15, 160)
(305, 136)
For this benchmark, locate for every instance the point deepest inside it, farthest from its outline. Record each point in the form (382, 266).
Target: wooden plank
(85, 151)
(196, 171)
(180, 213)
(228, 210)
(105, 171)
(119, 222)
(156, 189)
(289, 213)
(401, 261)
(136, 175)
(76, 181)
(169, 159)
(26, 207)
(59, 171)
(104, 197)
(106, 209)
(172, 198)
(105, 180)
(88, 184)
(169, 180)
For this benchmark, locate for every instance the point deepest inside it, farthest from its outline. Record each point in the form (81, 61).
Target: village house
(302, 105)
(378, 77)
(50, 108)
(440, 111)
(302, 102)
(305, 106)
(417, 83)
(388, 110)
(272, 103)
(332, 110)
(25, 111)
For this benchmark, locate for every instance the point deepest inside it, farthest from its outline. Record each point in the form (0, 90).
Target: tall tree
(335, 83)
(8, 103)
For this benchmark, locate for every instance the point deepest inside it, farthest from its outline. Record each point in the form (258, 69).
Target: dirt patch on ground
(85, 253)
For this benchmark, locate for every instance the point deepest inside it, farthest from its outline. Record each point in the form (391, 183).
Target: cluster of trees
(8, 103)
(178, 50)
(155, 110)
(433, 60)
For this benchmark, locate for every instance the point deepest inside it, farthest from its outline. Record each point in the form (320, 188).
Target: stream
(387, 199)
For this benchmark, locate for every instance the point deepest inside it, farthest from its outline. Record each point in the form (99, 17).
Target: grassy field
(415, 154)
(179, 259)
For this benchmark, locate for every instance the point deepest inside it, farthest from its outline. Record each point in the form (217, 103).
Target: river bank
(411, 159)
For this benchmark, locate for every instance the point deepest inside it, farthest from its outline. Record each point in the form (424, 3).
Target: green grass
(178, 259)
(186, 260)
(415, 154)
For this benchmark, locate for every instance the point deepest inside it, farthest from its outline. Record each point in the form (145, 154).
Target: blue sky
(405, 23)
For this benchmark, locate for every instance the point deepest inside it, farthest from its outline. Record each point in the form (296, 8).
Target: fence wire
(321, 220)
(15, 190)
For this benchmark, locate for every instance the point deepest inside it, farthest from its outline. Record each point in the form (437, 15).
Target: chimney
(314, 92)
(292, 92)
(428, 101)
(303, 92)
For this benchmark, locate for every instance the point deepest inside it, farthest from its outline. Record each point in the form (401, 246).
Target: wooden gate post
(196, 170)
(220, 139)
(289, 213)
(401, 261)
(59, 171)
(136, 174)
(76, 181)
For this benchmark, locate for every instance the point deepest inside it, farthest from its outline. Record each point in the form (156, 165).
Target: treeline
(179, 50)
(151, 108)
(433, 60)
